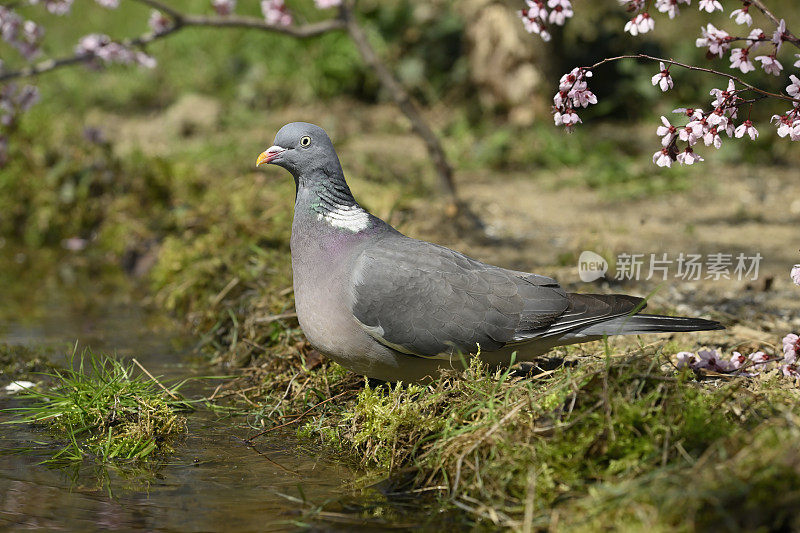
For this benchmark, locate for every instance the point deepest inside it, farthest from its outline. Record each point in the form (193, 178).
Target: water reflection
(213, 482)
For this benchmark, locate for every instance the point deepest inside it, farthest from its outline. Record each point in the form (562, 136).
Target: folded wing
(427, 300)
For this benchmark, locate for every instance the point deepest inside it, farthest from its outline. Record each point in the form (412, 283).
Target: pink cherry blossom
(738, 360)
(327, 4)
(110, 4)
(89, 44)
(779, 35)
(770, 64)
(533, 19)
(568, 119)
(670, 7)
(560, 11)
(573, 92)
(159, 22)
(276, 13)
(724, 97)
(718, 118)
(685, 359)
(747, 128)
(740, 60)
(710, 5)
(791, 347)
(690, 134)
(689, 157)
(223, 7)
(13, 101)
(667, 132)
(699, 126)
(583, 98)
(663, 79)
(537, 27)
(662, 158)
(742, 15)
(787, 126)
(795, 274)
(711, 137)
(720, 121)
(717, 41)
(536, 9)
(755, 38)
(794, 88)
(690, 112)
(797, 63)
(758, 358)
(56, 7)
(24, 35)
(101, 47)
(575, 76)
(708, 358)
(790, 371)
(641, 23)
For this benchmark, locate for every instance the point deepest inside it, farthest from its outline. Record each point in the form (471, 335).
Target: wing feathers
(431, 300)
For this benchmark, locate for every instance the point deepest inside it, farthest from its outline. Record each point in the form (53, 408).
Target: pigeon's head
(302, 149)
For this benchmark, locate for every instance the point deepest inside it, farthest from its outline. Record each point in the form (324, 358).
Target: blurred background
(153, 170)
(130, 201)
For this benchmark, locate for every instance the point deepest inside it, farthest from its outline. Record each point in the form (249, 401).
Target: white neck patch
(349, 217)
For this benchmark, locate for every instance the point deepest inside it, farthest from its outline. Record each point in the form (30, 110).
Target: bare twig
(151, 376)
(273, 318)
(181, 21)
(301, 32)
(265, 456)
(224, 292)
(299, 417)
(403, 101)
(232, 21)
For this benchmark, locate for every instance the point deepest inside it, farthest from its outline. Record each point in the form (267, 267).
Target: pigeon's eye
(305, 141)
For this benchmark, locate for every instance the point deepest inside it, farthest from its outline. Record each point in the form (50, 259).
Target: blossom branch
(698, 69)
(788, 35)
(181, 21)
(403, 101)
(301, 32)
(232, 21)
(54, 64)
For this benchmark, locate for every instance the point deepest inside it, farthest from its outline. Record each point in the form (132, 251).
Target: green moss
(616, 441)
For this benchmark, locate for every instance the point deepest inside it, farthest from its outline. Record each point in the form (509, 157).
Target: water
(214, 482)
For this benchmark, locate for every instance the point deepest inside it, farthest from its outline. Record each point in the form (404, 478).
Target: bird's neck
(330, 201)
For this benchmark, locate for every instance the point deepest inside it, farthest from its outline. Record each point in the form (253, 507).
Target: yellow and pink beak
(269, 154)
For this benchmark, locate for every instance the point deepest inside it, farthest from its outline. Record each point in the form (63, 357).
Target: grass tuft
(104, 409)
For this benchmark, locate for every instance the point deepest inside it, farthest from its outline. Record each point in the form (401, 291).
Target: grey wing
(427, 300)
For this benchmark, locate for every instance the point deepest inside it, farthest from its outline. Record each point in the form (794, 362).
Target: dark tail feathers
(634, 324)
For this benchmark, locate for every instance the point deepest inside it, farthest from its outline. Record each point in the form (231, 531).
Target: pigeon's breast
(321, 269)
